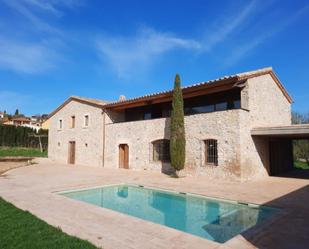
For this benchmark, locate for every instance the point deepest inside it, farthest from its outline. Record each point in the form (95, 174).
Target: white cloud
(48, 6)
(30, 58)
(125, 54)
(38, 21)
(248, 46)
(139, 52)
(38, 46)
(229, 25)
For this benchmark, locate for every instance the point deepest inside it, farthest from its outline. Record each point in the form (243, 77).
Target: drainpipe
(103, 152)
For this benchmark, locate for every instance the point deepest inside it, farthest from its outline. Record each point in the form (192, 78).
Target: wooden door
(71, 156)
(123, 156)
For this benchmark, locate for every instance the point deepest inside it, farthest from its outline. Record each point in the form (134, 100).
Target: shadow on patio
(290, 231)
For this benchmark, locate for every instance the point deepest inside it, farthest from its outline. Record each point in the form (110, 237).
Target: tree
(16, 112)
(300, 118)
(300, 147)
(177, 139)
(301, 150)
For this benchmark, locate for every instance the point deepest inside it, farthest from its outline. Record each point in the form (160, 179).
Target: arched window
(161, 150)
(211, 152)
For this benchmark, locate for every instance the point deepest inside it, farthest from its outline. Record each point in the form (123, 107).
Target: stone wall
(267, 106)
(89, 140)
(139, 135)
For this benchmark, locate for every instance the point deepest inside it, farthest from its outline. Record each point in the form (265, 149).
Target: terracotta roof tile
(238, 76)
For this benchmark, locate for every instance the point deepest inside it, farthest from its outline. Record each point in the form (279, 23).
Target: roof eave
(71, 98)
(195, 90)
(270, 71)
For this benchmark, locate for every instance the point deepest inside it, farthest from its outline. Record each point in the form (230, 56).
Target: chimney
(122, 98)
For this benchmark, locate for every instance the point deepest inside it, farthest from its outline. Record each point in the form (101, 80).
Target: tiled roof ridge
(90, 100)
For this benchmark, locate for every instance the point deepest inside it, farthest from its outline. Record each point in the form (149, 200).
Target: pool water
(208, 218)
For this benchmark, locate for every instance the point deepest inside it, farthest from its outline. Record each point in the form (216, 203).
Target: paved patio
(32, 188)
(5, 166)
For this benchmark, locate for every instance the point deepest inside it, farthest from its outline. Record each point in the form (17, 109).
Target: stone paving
(33, 188)
(5, 166)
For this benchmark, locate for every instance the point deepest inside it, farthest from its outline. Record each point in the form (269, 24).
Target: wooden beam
(167, 97)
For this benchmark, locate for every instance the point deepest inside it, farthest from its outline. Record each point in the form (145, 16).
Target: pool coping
(249, 204)
(252, 233)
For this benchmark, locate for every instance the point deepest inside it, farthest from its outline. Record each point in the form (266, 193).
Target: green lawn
(21, 229)
(301, 165)
(19, 151)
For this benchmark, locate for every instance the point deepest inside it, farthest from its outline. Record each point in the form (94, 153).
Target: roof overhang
(212, 86)
(291, 131)
(187, 92)
(271, 72)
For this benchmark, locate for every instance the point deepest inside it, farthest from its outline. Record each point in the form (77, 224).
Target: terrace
(34, 188)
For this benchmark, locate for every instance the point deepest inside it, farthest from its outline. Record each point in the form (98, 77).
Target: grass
(21, 229)
(20, 151)
(301, 165)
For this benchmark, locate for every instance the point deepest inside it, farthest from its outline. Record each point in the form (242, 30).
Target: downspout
(103, 152)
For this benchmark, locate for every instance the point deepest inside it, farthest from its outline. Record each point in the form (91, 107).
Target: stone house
(221, 116)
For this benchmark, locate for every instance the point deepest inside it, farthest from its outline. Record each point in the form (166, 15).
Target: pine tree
(177, 140)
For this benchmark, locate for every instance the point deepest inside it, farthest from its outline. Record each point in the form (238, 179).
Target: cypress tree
(177, 140)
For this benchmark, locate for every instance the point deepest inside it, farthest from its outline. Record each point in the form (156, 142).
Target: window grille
(211, 151)
(161, 150)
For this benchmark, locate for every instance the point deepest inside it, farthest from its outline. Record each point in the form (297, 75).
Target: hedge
(12, 136)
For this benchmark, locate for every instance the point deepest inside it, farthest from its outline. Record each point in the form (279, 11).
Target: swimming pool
(209, 218)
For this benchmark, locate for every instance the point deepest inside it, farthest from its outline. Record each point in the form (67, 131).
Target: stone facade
(240, 156)
(139, 135)
(267, 106)
(89, 140)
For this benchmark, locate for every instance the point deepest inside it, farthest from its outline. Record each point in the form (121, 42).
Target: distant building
(18, 121)
(23, 121)
(1, 115)
(45, 124)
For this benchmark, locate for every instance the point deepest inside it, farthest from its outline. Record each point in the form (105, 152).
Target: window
(73, 122)
(147, 115)
(211, 151)
(237, 104)
(221, 106)
(161, 150)
(86, 120)
(60, 124)
(233, 104)
(203, 109)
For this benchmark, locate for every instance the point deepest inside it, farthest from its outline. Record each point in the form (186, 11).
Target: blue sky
(52, 49)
